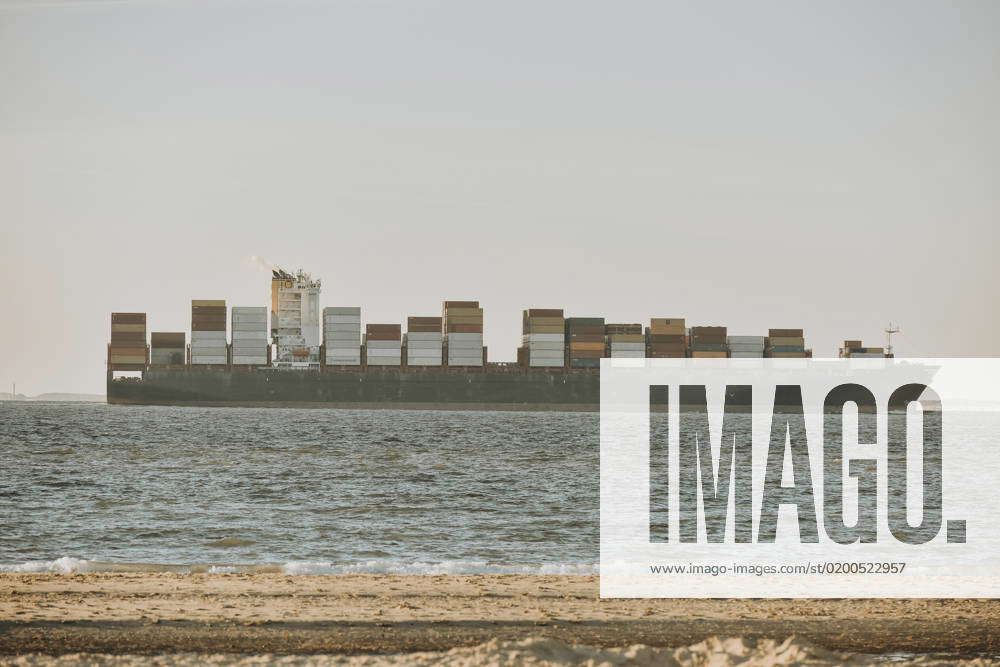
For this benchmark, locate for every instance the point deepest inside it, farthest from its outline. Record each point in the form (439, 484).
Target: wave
(71, 565)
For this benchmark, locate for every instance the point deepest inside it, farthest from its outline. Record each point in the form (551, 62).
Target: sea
(91, 487)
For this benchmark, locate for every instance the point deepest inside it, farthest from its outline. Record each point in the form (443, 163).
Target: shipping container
(462, 328)
(543, 336)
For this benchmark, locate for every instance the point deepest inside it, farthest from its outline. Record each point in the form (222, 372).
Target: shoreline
(156, 613)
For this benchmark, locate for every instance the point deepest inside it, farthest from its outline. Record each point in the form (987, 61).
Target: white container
(465, 337)
(383, 351)
(208, 335)
(464, 345)
(342, 310)
(641, 347)
(260, 335)
(384, 361)
(423, 345)
(343, 336)
(213, 345)
(208, 360)
(383, 345)
(256, 360)
(545, 363)
(546, 347)
(342, 320)
(254, 349)
(424, 335)
(746, 340)
(746, 355)
(541, 337)
(248, 326)
(627, 354)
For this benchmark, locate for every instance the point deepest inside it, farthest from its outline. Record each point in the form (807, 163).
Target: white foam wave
(66, 564)
(71, 565)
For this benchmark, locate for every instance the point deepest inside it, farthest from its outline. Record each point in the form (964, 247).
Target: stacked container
(424, 341)
(854, 349)
(708, 342)
(250, 335)
(342, 335)
(543, 338)
(462, 326)
(625, 341)
(166, 348)
(786, 343)
(665, 338)
(746, 347)
(128, 342)
(585, 341)
(208, 332)
(383, 345)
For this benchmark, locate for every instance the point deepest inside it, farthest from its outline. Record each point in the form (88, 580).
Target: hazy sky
(749, 164)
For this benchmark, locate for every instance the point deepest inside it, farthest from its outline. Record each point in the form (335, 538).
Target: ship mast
(889, 331)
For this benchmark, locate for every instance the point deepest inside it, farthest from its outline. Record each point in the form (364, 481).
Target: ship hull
(400, 389)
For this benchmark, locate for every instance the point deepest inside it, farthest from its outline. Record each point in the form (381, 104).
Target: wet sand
(156, 613)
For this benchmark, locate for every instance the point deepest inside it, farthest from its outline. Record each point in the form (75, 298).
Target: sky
(830, 166)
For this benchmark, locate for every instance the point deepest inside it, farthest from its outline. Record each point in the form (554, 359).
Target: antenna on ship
(889, 331)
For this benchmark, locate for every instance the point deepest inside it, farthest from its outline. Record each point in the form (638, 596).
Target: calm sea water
(308, 490)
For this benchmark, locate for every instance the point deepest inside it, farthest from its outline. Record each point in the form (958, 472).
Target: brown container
(131, 351)
(544, 312)
(586, 354)
(117, 327)
(460, 304)
(786, 341)
(667, 349)
(383, 335)
(128, 318)
(423, 324)
(464, 328)
(708, 354)
(626, 338)
(708, 331)
(586, 331)
(210, 303)
(852, 344)
(167, 338)
(383, 328)
(780, 333)
(128, 338)
(627, 329)
(667, 321)
(574, 346)
(666, 338)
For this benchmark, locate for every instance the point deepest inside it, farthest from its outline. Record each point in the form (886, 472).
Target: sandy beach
(156, 613)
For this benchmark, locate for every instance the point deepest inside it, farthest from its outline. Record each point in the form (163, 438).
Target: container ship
(294, 354)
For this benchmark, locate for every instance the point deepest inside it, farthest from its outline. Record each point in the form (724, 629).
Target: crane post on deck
(889, 331)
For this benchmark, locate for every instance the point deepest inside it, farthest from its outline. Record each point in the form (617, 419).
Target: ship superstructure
(295, 323)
